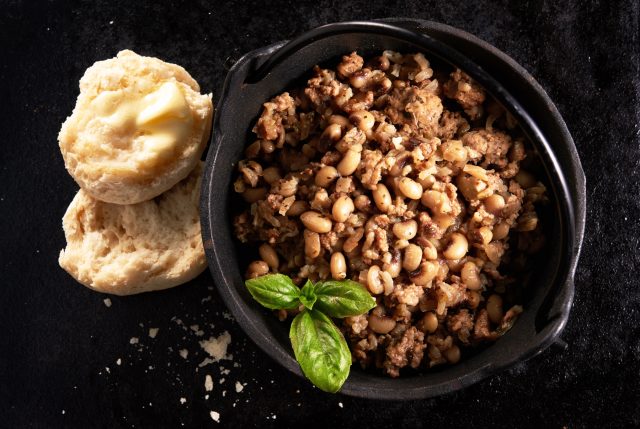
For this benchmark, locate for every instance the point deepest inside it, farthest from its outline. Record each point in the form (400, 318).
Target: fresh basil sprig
(318, 344)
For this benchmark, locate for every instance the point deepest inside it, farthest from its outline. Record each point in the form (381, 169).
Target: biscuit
(139, 126)
(129, 249)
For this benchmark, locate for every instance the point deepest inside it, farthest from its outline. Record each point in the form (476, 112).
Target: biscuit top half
(135, 116)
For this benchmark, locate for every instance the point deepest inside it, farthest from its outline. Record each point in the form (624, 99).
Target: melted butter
(162, 117)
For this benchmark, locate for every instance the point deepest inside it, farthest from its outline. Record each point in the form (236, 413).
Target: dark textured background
(59, 343)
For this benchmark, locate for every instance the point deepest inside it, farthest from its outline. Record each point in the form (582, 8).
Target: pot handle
(323, 32)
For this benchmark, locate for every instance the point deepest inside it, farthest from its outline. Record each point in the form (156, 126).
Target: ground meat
(461, 324)
(489, 146)
(425, 201)
(415, 107)
(277, 114)
(350, 64)
(481, 329)
(407, 350)
(466, 92)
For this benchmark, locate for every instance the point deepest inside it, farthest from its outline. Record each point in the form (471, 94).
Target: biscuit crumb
(153, 332)
(208, 383)
(215, 416)
(239, 387)
(133, 340)
(184, 353)
(107, 302)
(216, 347)
(183, 400)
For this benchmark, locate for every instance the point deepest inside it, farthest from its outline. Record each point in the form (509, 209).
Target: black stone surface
(59, 343)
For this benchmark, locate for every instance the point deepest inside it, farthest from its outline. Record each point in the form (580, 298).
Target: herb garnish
(318, 344)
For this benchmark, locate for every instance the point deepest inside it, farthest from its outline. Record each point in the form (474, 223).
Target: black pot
(266, 72)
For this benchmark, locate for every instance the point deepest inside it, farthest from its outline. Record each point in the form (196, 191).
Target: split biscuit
(129, 249)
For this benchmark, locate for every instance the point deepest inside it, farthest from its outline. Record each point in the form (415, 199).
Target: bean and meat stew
(408, 181)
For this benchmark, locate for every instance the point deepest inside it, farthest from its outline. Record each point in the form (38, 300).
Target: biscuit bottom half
(130, 249)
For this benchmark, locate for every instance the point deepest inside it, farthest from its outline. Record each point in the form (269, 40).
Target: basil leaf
(343, 298)
(274, 291)
(320, 349)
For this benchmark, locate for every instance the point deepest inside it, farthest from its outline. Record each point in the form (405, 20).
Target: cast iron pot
(266, 72)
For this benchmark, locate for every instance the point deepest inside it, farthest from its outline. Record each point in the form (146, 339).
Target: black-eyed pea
(452, 354)
(476, 171)
(429, 251)
(410, 188)
(528, 221)
(297, 208)
(405, 230)
(457, 248)
(338, 266)
(485, 234)
(500, 231)
(470, 276)
(427, 181)
(252, 195)
(494, 308)
(412, 257)
(455, 265)
(267, 147)
(468, 186)
(443, 221)
(349, 162)
(343, 121)
(362, 119)
(342, 208)
(311, 244)
(253, 150)
(525, 179)
(426, 273)
(454, 151)
(393, 267)
(271, 175)
(381, 63)
(257, 269)
(251, 172)
(373, 280)
(325, 176)
(400, 244)
(387, 282)
(428, 323)
(316, 222)
(382, 197)
(433, 200)
(269, 255)
(362, 203)
(494, 204)
(333, 132)
(381, 324)
(352, 241)
(473, 299)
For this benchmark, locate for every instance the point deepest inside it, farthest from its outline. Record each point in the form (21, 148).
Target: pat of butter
(162, 119)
